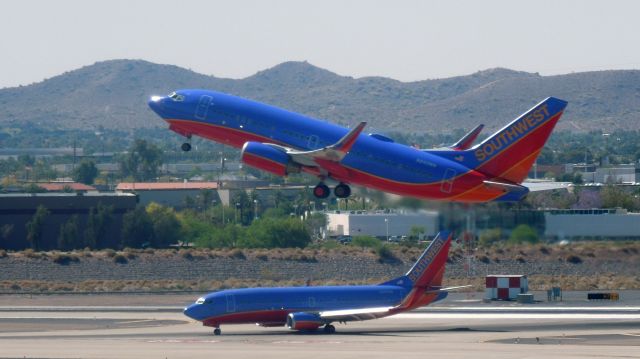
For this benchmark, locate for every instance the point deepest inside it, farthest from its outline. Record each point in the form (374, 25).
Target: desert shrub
(484, 259)
(523, 234)
(130, 255)
(110, 253)
(64, 259)
(262, 256)
(574, 259)
(186, 255)
(520, 259)
(120, 259)
(545, 250)
(385, 254)
(3, 253)
(30, 253)
(490, 237)
(236, 254)
(366, 242)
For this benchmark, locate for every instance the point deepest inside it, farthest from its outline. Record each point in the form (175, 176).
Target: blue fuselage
(272, 305)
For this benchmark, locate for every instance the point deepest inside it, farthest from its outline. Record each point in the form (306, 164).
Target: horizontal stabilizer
(467, 140)
(447, 289)
(505, 186)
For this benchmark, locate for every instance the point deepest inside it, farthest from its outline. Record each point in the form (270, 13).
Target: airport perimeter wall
(322, 268)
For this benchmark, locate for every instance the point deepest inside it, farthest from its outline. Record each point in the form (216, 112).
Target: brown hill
(113, 94)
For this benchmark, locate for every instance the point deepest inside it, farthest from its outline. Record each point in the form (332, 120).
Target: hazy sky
(405, 40)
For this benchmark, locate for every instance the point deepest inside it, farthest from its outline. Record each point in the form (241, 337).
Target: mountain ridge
(113, 94)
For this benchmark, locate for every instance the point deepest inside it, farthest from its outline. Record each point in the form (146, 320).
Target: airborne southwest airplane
(283, 142)
(309, 308)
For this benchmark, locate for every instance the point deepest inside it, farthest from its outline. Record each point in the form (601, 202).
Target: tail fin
(510, 152)
(429, 268)
(507, 155)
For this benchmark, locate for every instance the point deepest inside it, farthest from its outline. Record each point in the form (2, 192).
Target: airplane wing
(348, 315)
(334, 153)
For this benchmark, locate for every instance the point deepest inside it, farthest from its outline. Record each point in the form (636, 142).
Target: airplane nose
(191, 311)
(155, 103)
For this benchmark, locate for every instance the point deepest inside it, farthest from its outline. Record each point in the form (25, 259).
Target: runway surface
(464, 331)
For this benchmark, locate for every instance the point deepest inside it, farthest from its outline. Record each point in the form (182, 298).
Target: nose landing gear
(186, 147)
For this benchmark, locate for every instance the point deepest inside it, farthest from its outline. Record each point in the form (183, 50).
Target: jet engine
(268, 158)
(304, 321)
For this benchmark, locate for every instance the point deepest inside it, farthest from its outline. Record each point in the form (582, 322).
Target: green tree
(98, 222)
(142, 161)
(523, 234)
(276, 233)
(86, 172)
(69, 237)
(416, 232)
(137, 228)
(35, 226)
(489, 237)
(614, 196)
(166, 226)
(366, 242)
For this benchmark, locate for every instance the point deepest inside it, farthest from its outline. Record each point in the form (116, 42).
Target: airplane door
(313, 142)
(312, 302)
(231, 303)
(203, 107)
(447, 180)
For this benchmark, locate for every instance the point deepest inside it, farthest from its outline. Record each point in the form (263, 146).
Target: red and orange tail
(426, 274)
(509, 153)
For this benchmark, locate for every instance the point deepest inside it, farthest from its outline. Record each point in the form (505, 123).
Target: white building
(380, 224)
(591, 223)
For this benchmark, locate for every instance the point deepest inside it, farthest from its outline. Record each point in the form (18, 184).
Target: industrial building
(591, 224)
(18, 209)
(380, 224)
(173, 194)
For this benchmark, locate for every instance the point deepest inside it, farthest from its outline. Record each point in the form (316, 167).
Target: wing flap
(347, 315)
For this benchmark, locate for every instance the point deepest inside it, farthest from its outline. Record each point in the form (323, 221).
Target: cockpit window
(200, 301)
(176, 97)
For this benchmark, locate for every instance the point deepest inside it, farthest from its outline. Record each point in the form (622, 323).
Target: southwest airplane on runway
(309, 308)
(283, 142)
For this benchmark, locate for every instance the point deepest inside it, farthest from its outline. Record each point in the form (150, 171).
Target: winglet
(467, 140)
(346, 142)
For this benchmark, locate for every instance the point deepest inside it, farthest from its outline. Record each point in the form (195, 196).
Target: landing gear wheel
(342, 191)
(321, 191)
(217, 331)
(329, 329)
(186, 147)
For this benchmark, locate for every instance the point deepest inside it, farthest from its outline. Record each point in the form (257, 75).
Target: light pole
(237, 209)
(255, 209)
(386, 222)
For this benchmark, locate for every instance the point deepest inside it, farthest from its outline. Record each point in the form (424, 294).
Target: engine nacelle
(267, 158)
(304, 321)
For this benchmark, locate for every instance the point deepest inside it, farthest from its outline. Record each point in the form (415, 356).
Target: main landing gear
(217, 331)
(322, 191)
(329, 329)
(186, 147)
